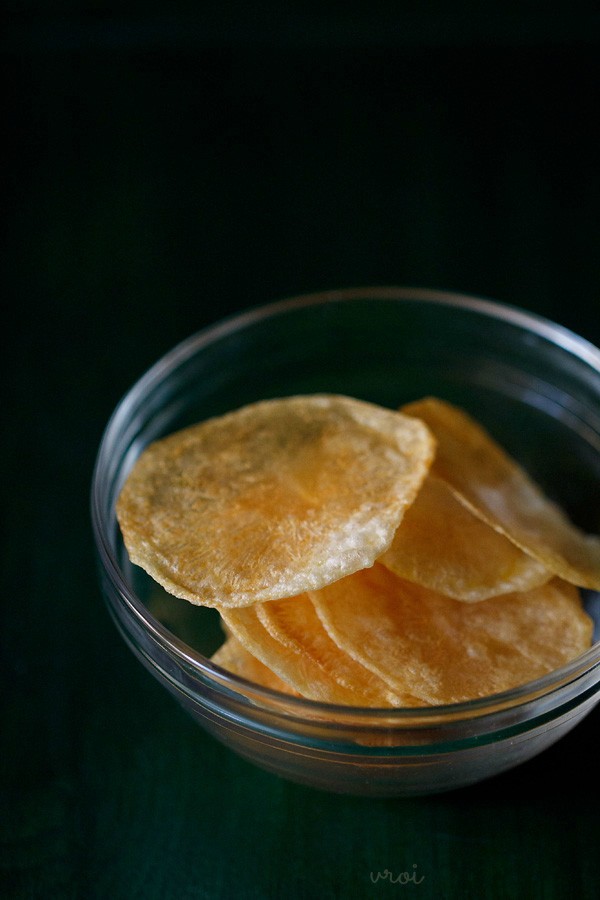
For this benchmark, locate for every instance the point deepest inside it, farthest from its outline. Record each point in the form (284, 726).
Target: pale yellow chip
(315, 667)
(498, 490)
(444, 546)
(273, 499)
(294, 623)
(443, 650)
(235, 658)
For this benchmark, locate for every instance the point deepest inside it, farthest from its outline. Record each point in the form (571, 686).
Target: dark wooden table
(164, 170)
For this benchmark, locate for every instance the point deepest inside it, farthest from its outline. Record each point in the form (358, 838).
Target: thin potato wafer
(443, 650)
(272, 499)
(235, 658)
(498, 490)
(294, 623)
(444, 546)
(306, 670)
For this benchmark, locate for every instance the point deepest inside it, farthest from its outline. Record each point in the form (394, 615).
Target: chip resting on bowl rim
(496, 488)
(273, 499)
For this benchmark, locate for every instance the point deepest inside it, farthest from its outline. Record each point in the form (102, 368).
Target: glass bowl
(533, 384)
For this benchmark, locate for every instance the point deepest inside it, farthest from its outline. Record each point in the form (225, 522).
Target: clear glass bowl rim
(578, 670)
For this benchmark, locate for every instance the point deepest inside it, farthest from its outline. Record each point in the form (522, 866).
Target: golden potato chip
(443, 650)
(294, 623)
(444, 546)
(498, 490)
(235, 658)
(272, 499)
(317, 669)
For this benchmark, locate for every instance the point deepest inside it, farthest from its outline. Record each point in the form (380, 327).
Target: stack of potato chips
(360, 555)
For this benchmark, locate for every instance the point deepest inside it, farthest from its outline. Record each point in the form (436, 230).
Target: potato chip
(498, 490)
(317, 669)
(294, 623)
(443, 650)
(272, 499)
(235, 658)
(444, 546)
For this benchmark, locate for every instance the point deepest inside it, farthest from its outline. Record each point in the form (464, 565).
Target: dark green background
(164, 167)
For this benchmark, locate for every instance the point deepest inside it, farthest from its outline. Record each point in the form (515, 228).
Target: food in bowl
(360, 555)
(273, 499)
